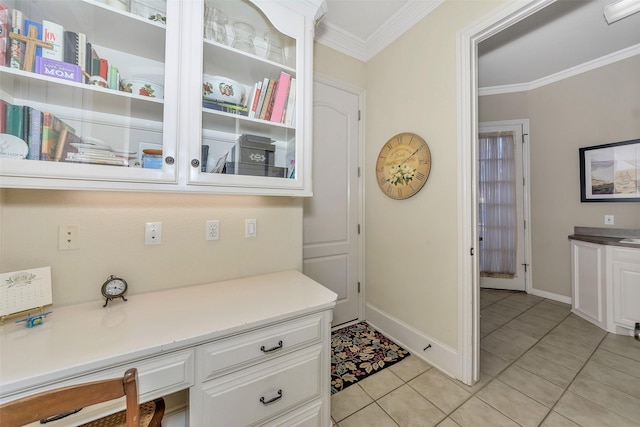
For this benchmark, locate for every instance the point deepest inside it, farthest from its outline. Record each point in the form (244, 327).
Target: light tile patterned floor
(540, 366)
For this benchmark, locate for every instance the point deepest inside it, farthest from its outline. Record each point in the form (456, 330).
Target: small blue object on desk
(35, 320)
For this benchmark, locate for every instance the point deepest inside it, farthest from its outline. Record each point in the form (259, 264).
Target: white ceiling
(562, 36)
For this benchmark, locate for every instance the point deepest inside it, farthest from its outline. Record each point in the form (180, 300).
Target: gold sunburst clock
(403, 165)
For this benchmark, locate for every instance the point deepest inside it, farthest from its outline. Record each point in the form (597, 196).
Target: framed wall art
(610, 172)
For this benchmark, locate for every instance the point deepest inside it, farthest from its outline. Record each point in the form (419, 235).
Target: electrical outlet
(68, 237)
(250, 228)
(153, 233)
(212, 230)
(609, 219)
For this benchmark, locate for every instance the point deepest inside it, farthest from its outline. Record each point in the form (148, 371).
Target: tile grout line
(574, 378)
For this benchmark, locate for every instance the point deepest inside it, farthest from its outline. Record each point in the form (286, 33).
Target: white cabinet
(177, 53)
(588, 282)
(624, 273)
(605, 285)
(251, 351)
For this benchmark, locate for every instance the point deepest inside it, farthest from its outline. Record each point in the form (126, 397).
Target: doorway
(332, 239)
(503, 205)
(468, 129)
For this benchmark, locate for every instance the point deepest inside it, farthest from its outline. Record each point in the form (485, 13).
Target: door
(331, 239)
(502, 213)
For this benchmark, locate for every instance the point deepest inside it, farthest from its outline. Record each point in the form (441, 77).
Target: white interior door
(331, 240)
(519, 280)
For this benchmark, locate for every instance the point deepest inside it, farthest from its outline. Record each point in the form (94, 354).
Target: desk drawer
(263, 391)
(258, 346)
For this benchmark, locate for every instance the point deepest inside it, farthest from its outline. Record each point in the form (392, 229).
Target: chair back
(66, 399)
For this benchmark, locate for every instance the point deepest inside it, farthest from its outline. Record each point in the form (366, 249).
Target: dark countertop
(606, 236)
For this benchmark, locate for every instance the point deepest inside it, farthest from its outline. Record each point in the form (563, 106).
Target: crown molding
(405, 18)
(565, 74)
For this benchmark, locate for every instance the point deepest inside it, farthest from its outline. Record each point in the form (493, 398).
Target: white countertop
(86, 337)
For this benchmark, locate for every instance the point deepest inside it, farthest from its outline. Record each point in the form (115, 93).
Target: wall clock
(403, 165)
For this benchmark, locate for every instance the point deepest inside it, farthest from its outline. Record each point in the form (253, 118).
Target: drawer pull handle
(269, 350)
(273, 399)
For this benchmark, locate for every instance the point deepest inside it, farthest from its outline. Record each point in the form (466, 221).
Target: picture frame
(610, 172)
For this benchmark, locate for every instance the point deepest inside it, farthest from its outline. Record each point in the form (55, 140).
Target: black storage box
(255, 170)
(255, 153)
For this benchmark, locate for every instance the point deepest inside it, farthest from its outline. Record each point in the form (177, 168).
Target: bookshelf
(179, 50)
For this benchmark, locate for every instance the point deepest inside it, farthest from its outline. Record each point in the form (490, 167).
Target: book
(17, 52)
(58, 69)
(104, 69)
(3, 116)
(114, 78)
(291, 103)
(267, 99)
(63, 146)
(226, 108)
(263, 91)
(267, 115)
(15, 121)
(35, 133)
(4, 34)
(29, 23)
(70, 45)
(254, 102)
(82, 54)
(26, 111)
(280, 97)
(53, 33)
(204, 158)
(94, 69)
(51, 128)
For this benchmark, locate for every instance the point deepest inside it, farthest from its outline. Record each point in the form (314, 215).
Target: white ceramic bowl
(139, 85)
(223, 89)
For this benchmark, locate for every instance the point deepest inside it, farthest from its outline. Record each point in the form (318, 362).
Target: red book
(104, 69)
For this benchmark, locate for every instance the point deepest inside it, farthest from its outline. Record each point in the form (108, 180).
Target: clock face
(114, 287)
(403, 165)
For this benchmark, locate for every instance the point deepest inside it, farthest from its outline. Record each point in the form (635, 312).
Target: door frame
(360, 93)
(467, 41)
(526, 192)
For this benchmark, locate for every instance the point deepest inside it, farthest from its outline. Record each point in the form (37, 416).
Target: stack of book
(72, 56)
(51, 139)
(274, 99)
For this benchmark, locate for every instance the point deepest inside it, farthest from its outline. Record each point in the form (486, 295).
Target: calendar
(25, 290)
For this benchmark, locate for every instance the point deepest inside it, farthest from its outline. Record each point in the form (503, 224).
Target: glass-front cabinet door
(88, 93)
(210, 96)
(247, 97)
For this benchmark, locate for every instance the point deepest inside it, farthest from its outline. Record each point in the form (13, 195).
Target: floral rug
(358, 351)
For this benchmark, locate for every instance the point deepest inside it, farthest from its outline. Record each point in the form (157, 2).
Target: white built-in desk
(229, 343)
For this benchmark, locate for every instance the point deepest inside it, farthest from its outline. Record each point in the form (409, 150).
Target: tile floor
(540, 366)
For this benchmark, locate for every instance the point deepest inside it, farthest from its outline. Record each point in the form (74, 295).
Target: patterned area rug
(358, 351)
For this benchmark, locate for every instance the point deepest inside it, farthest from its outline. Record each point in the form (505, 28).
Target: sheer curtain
(497, 204)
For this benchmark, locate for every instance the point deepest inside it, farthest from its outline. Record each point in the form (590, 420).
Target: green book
(15, 120)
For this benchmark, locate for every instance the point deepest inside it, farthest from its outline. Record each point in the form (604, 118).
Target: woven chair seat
(151, 414)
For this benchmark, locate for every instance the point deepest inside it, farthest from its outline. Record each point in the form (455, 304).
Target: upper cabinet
(153, 95)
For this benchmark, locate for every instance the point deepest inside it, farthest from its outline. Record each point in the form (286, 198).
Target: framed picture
(610, 172)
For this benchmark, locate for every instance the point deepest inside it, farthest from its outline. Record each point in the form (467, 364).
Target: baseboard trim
(551, 295)
(439, 354)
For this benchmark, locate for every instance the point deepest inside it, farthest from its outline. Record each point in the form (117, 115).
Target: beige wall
(112, 238)
(597, 107)
(411, 245)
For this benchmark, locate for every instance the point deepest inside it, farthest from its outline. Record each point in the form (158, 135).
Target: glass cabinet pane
(93, 100)
(248, 93)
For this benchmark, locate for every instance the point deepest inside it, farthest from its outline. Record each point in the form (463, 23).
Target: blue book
(28, 23)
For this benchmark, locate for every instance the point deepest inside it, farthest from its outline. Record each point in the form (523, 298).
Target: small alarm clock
(113, 288)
